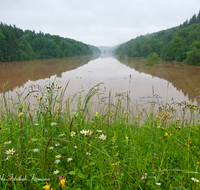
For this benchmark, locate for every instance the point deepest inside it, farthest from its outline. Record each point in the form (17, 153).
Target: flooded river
(167, 82)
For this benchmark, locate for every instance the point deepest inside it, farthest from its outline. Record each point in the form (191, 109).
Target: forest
(19, 45)
(181, 43)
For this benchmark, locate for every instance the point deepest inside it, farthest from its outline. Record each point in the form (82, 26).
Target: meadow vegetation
(85, 142)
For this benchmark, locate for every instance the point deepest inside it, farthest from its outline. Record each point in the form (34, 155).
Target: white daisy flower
(57, 144)
(58, 156)
(102, 137)
(10, 151)
(99, 131)
(69, 159)
(51, 148)
(52, 124)
(194, 179)
(83, 132)
(158, 183)
(35, 150)
(88, 132)
(75, 147)
(87, 153)
(72, 134)
(57, 161)
(8, 142)
(56, 172)
(36, 124)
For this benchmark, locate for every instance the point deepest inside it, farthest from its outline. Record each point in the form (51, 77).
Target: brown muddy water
(168, 82)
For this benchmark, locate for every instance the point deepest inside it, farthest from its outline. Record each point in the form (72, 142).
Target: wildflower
(91, 101)
(57, 161)
(96, 114)
(58, 156)
(193, 108)
(8, 142)
(88, 132)
(56, 83)
(87, 153)
(69, 159)
(166, 134)
(35, 150)
(144, 176)
(46, 131)
(36, 124)
(178, 119)
(194, 179)
(167, 126)
(158, 183)
(83, 132)
(60, 86)
(51, 148)
(103, 137)
(56, 172)
(113, 164)
(72, 134)
(34, 95)
(20, 114)
(99, 131)
(56, 106)
(62, 182)
(47, 186)
(57, 112)
(57, 144)
(75, 147)
(10, 151)
(52, 124)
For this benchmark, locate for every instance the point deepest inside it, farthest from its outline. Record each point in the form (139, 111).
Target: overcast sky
(97, 22)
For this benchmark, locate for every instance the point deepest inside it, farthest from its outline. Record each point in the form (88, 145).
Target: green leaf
(72, 173)
(84, 167)
(92, 163)
(81, 175)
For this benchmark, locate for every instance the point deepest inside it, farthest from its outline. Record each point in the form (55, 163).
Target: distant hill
(94, 49)
(19, 45)
(180, 43)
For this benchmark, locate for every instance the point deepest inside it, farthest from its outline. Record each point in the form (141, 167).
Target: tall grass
(90, 142)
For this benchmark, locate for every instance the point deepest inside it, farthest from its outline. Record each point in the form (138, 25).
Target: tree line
(181, 43)
(19, 45)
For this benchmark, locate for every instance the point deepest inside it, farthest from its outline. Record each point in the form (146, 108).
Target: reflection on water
(184, 78)
(19, 73)
(169, 81)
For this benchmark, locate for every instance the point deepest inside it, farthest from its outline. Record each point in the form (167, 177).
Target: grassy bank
(84, 143)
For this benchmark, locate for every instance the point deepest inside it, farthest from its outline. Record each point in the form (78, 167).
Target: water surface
(168, 82)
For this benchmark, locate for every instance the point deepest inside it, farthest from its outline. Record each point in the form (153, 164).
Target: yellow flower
(113, 164)
(47, 186)
(62, 182)
(57, 112)
(20, 114)
(166, 134)
(91, 101)
(60, 86)
(178, 119)
(193, 108)
(56, 84)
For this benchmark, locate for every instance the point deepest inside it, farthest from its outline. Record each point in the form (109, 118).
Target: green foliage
(193, 57)
(171, 45)
(19, 45)
(152, 59)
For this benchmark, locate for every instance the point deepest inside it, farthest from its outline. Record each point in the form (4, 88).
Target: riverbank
(95, 144)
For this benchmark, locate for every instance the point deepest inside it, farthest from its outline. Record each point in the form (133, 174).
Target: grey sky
(97, 22)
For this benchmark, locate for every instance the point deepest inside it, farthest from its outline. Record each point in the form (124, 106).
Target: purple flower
(167, 126)
(46, 131)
